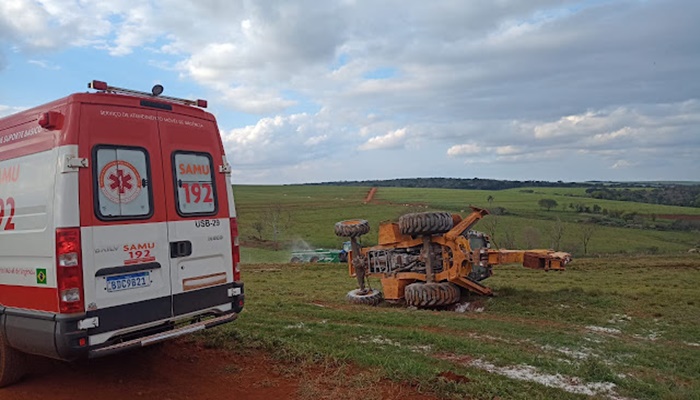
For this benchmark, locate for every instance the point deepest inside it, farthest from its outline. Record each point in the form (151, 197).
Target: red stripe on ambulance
(29, 297)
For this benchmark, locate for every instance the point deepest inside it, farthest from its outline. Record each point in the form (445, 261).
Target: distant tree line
(674, 195)
(454, 183)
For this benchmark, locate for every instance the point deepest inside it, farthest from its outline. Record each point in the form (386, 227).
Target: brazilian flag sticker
(41, 276)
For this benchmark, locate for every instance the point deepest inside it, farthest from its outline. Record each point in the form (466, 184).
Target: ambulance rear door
(198, 213)
(126, 250)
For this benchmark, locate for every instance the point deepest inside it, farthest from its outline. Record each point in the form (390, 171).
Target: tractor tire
(371, 297)
(426, 295)
(313, 260)
(351, 228)
(295, 260)
(425, 223)
(13, 364)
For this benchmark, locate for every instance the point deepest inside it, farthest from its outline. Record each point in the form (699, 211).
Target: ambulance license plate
(128, 281)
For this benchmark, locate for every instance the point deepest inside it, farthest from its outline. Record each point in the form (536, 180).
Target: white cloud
(138, 28)
(53, 24)
(315, 140)
(391, 140)
(569, 125)
(464, 150)
(254, 100)
(44, 64)
(508, 150)
(9, 110)
(606, 138)
(623, 128)
(287, 141)
(648, 132)
(623, 164)
(28, 18)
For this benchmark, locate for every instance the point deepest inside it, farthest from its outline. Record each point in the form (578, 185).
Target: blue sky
(311, 91)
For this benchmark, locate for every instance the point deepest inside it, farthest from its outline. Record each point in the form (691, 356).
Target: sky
(317, 91)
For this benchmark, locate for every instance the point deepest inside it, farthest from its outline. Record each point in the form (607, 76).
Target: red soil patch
(183, 370)
(452, 377)
(370, 195)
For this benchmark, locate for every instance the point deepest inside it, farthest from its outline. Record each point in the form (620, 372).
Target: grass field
(625, 327)
(620, 326)
(309, 212)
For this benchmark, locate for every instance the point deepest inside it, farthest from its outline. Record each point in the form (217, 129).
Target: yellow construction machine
(427, 257)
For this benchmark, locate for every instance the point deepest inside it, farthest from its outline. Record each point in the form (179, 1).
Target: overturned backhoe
(427, 257)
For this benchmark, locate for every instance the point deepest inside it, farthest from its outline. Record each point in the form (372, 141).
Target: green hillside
(306, 215)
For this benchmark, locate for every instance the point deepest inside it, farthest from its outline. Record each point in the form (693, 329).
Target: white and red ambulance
(117, 226)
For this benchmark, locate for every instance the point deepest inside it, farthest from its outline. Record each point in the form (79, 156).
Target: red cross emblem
(120, 182)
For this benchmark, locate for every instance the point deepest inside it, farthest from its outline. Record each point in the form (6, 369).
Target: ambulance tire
(13, 364)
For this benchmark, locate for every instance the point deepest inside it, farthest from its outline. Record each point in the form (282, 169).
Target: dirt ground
(182, 370)
(370, 195)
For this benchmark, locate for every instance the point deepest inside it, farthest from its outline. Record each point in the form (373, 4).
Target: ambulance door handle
(179, 249)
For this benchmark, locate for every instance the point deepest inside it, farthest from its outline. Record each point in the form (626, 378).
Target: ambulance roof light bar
(155, 92)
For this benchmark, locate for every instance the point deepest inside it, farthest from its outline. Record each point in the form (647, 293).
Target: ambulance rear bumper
(162, 336)
(49, 335)
(61, 336)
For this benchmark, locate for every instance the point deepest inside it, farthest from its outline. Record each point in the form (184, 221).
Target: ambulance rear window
(122, 189)
(194, 182)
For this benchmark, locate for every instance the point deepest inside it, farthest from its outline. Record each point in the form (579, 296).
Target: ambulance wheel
(425, 223)
(13, 364)
(426, 295)
(370, 297)
(351, 228)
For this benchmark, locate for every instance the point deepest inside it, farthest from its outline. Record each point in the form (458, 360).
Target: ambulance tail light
(235, 250)
(50, 119)
(69, 271)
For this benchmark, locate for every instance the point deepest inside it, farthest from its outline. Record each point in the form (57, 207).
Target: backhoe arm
(535, 259)
(466, 224)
